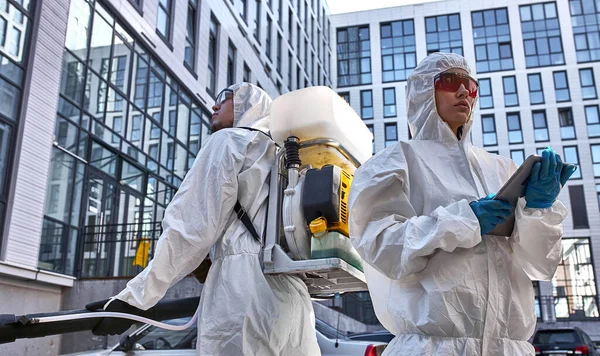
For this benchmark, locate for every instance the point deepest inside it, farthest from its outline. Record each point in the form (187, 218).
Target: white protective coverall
(435, 282)
(241, 311)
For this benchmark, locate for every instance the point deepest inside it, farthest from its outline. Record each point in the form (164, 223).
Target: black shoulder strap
(241, 214)
(268, 134)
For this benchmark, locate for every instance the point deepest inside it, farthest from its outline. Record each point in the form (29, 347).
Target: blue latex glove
(546, 179)
(490, 212)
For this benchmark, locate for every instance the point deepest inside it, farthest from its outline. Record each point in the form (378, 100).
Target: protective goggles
(450, 81)
(223, 96)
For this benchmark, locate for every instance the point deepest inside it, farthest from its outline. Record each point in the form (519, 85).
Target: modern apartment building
(537, 63)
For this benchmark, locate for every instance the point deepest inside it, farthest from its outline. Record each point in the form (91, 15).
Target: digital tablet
(511, 191)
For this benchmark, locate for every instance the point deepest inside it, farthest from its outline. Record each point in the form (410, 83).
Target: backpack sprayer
(307, 235)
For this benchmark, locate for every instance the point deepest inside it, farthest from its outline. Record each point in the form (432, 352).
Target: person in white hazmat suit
(241, 311)
(437, 281)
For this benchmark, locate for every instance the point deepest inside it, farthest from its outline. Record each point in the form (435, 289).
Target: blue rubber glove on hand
(490, 212)
(546, 179)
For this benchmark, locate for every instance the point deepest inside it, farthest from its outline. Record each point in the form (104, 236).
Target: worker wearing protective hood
(241, 311)
(418, 219)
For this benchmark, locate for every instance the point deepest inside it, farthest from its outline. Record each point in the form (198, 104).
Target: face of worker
(222, 116)
(454, 107)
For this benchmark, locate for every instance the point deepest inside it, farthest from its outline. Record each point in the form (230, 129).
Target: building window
(278, 54)
(536, 90)
(212, 54)
(391, 134)
(567, 128)
(588, 85)
(574, 283)
(540, 126)
(231, 60)
(511, 98)
(191, 32)
(489, 130)
(398, 50)
(366, 104)
(486, 101)
(572, 156)
(290, 72)
(354, 56)
(346, 97)
(585, 18)
(163, 22)
(598, 194)
(257, 18)
(541, 35)
(243, 7)
(536, 292)
(370, 127)
(518, 156)
(515, 134)
(561, 86)
(443, 34)
(491, 36)
(578, 207)
(247, 74)
(592, 117)
(389, 102)
(595, 159)
(269, 34)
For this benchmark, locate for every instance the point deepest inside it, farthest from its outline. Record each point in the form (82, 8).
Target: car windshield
(329, 331)
(154, 338)
(556, 337)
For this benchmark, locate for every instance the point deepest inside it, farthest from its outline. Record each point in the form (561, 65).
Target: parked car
(147, 339)
(563, 342)
(375, 336)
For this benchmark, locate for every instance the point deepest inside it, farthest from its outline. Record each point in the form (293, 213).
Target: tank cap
(318, 227)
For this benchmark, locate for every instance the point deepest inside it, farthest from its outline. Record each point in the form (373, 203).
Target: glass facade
(585, 19)
(443, 34)
(574, 282)
(15, 34)
(491, 36)
(398, 50)
(126, 133)
(353, 56)
(541, 35)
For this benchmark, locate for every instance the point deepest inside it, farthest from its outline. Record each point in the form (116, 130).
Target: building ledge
(28, 273)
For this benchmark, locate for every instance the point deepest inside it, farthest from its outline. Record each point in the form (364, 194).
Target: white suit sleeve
(194, 220)
(536, 238)
(387, 232)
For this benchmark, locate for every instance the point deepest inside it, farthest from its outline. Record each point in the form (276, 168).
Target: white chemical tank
(319, 112)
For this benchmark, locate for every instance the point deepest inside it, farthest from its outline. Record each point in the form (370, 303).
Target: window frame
(537, 40)
(520, 130)
(363, 107)
(543, 112)
(385, 105)
(578, 171)
(587, 120)
(515, 93)
(491, 94)
(541, 91)
(591, 71)
(168, 38)
(389, 142)
(494, 131)
(571, 118)
(194, 43)
(565, 88)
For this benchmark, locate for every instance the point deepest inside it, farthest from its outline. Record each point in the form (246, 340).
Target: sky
(341, 6)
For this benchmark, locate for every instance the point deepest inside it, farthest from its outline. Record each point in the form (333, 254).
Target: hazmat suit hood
(423, 119)
(251, 106)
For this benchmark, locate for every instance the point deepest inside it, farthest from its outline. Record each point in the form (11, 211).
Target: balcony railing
(120, 250)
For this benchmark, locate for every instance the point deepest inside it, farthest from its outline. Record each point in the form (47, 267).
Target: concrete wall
(87, 291)
(28, 298)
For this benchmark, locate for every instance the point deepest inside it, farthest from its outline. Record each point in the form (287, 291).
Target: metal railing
(119, 250)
